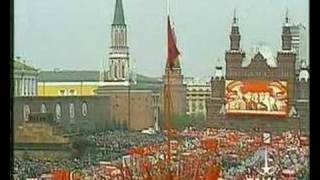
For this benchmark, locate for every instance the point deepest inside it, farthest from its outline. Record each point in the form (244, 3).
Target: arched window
(26, 112)
(115, 71)
(123, 68)
(193, 106)
(84, 109)
(72, 92)
(58, 112)
(120, 38)
(62, 92)
(200, 106)
(116, 37)
(71, 112)
(43, 108)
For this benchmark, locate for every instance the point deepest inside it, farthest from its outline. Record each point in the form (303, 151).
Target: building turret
(235, 34)
(286, 35)
(304, 72)
(218, 71)
(119, 66)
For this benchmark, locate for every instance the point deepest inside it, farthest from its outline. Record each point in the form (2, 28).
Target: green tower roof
(118, 18)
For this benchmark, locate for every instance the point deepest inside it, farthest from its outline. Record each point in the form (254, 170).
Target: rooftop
(118, 14)
(86, 76)
(69, 76)
(17, 65)
(265, 51)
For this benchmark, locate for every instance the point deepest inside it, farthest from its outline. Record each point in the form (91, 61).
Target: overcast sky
(75, 34)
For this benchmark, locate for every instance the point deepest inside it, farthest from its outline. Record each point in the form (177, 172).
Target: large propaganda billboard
(256, 97)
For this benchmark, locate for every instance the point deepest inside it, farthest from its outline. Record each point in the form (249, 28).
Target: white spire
(286, 23)
(235, 19)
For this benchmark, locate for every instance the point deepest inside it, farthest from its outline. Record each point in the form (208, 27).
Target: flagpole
(168, 7)
(168, 98)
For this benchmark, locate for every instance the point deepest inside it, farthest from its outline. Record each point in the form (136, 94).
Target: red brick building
(228, 104)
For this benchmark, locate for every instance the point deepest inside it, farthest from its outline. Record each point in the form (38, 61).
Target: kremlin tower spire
(118, 18)
(119, 66)
(235, 34)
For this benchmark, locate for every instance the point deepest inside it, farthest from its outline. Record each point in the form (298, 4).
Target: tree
(80, 146)
(180, 121)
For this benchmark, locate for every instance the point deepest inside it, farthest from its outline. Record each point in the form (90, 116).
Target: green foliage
(180, 121)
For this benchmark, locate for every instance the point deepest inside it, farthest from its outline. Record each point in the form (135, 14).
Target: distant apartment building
(25, 78)
(300, 45)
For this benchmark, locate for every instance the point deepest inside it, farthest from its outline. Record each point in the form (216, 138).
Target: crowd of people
(112, 145)
(243, 154)
(32, 168)
(239, 154)
(105, 146)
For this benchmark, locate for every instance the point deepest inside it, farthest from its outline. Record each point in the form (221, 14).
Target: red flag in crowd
(169, 176)
(61, 175)
(197, 173)
(209, 144)
(213, 173)
(173, 51)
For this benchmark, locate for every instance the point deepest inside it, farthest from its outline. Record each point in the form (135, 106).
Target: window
(26, 112)
(115, 71)
(72, 92)
(93, 92)
(188, 108)
(84, 109)
(123, 71)
(71, 112)
(43, 108)
(200, 106)
(193, 107)
(58, 112)
(62, 92)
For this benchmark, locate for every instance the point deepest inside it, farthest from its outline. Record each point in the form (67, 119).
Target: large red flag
(213, 173)
(173, 51)
(61, 175)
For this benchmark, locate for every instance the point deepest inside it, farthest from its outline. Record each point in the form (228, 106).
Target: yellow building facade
(68, 83)
(67, 88)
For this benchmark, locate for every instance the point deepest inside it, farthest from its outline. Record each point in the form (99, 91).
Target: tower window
(200, 106)
(123, 71)
(115, 71)
(43, 108)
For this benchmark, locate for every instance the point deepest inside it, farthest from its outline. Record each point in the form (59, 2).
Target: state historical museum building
(260, 91)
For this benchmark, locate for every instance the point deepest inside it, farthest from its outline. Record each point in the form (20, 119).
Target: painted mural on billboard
(256, 97)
